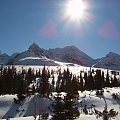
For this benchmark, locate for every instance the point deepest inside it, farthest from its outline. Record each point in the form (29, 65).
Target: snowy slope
(16, 110)
(35, 61)
(111, 61)
(69, 54)
(82, 117)
(8, 108)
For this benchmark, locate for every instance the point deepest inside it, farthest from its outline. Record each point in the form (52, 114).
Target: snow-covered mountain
(38, 56)
(111, 61)
(4, 58)
(69, 54)
(33, 56)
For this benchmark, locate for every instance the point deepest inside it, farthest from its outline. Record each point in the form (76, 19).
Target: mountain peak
(112, 54)
(71, 47)
(111, 61)
(33, 46)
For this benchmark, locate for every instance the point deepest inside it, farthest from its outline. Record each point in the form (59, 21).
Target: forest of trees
(13, 82)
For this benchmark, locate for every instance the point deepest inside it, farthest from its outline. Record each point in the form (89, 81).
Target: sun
(75, 9)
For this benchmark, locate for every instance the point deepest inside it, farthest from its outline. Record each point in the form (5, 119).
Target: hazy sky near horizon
(23, 22)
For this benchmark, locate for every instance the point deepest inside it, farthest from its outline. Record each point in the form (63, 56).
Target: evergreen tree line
(91, 80)
(13, 82)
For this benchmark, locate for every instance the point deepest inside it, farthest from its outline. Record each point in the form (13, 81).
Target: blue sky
(23, 22)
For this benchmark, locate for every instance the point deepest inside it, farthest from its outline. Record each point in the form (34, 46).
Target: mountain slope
(33, 56)
(111, 61)
(4, 58)
(38, 56)
(69, 54)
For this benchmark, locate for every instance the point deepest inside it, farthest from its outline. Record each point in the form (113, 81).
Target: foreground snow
(82, 117)
(28, 107)
(34, 104)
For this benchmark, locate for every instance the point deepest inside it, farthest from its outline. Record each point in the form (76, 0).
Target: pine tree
(90, 80)
(29, 76)
(60, 87)
(98, 80)
(44, 85)
(107, 80)
(71, 110)
(114, 82)
(53, 82)
(81, 82)
(86, 80)
(58, 107)
(103, 79)
(5, 81)
(1, 80)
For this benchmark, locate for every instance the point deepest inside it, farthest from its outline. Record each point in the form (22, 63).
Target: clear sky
(45, 22)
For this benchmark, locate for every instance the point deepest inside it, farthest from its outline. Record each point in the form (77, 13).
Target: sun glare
(75, 9)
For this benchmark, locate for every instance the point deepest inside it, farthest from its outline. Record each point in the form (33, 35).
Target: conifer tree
(29, 76)
(107, 80)
(114, 82)
(58, 107)
(90, 81)
(86, 80)
(98, 80)
(71, 110)
(81, 82)
(44, 85)
(53, 82)
(103, 79)
(60, 87)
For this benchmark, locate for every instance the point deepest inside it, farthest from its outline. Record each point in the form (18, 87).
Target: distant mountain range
(70, 54)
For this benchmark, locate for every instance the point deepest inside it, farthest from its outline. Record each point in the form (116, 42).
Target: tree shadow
(117, 100)
(14, 110)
